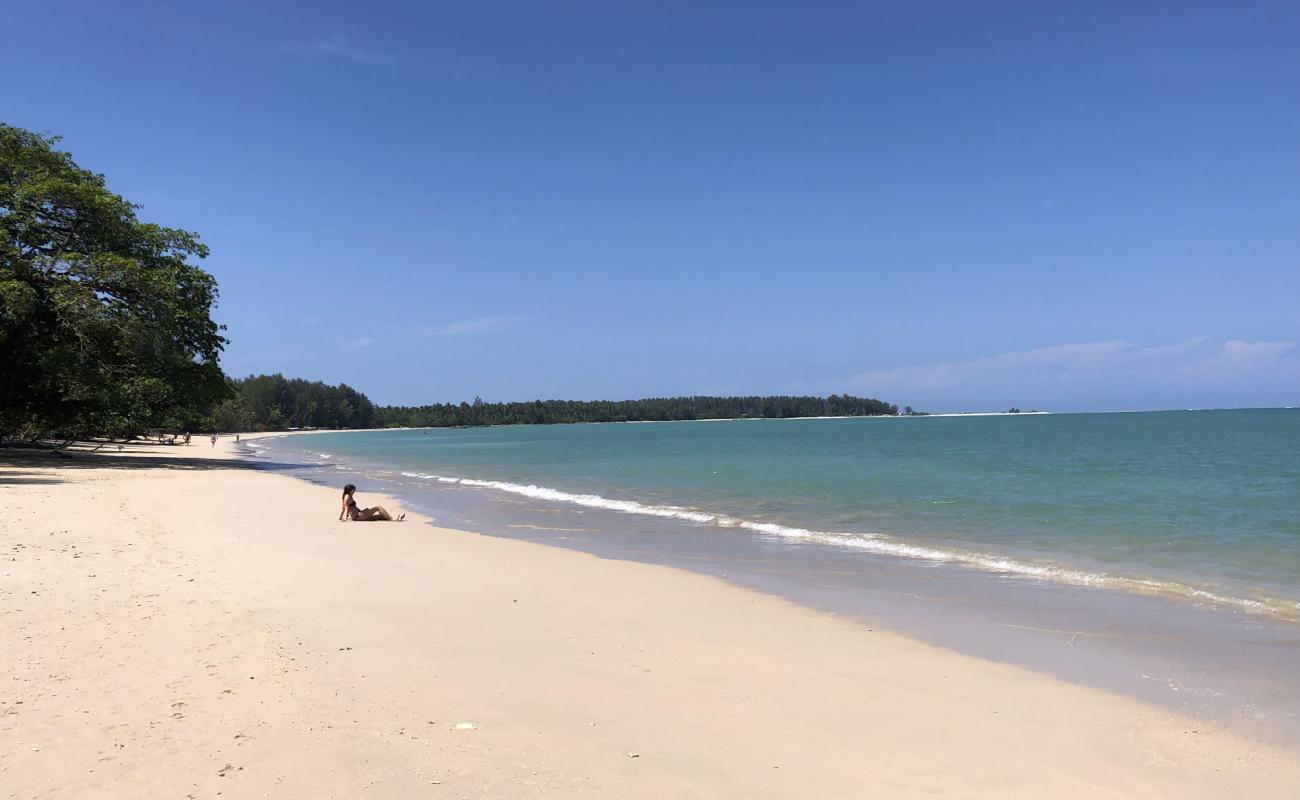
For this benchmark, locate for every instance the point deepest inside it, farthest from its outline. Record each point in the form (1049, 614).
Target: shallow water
(1200, 503)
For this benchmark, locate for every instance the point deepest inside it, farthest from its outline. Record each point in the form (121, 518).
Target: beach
(180, 623)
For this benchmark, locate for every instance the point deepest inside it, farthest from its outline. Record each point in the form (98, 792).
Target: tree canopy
(274, 402)
(105, 324)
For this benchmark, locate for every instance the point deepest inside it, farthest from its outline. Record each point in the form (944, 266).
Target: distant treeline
(273, 402)
(541, 412)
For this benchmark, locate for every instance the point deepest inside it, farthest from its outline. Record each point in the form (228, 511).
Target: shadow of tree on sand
(9, 478)
(19, 465)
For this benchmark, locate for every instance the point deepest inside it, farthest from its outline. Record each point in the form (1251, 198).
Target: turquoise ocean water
(1197, 505)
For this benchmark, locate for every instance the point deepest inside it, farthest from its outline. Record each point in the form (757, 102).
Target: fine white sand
(179, 625)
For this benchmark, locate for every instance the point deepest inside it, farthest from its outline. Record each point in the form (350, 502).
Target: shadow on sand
(17, 464)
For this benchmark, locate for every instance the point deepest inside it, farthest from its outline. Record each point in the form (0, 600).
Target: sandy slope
(176, 625)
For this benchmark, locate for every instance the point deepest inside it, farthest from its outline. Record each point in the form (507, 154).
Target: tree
(105, 325)
(274, 402)
(230, 415)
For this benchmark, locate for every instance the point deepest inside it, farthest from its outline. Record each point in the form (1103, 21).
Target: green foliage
(273, 402)
(653, 409)
(105, 326)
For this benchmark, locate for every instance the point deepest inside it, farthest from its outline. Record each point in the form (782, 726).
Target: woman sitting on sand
(363, 514)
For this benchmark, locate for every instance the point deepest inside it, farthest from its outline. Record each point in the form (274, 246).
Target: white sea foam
(591, 500)
(880, 544)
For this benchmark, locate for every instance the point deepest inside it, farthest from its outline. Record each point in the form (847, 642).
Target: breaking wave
(886, 545)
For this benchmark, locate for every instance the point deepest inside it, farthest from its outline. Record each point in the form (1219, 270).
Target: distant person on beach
(214, 440)
(350, 510)
(236, 438)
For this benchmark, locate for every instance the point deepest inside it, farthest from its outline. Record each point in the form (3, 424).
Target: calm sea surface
(1200, 505)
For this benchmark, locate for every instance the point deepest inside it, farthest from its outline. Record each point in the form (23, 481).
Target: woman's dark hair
(349, 489)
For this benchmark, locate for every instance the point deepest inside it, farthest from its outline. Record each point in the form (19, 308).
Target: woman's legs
(376, 513)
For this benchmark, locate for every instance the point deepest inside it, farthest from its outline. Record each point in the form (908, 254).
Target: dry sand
(178, 625)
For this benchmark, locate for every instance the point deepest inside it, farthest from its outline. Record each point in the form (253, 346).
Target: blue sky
(964, 205)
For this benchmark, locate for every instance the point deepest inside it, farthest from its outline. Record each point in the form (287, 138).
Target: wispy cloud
(338, 46)
(1185, 347)
(1239, 351)
(1190, 372)
(468, 327)
(464, 327)
(954, 373)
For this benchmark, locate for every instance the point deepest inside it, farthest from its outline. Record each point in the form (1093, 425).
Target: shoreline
(191, 621)
(1170, 649)
(1047, 568)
